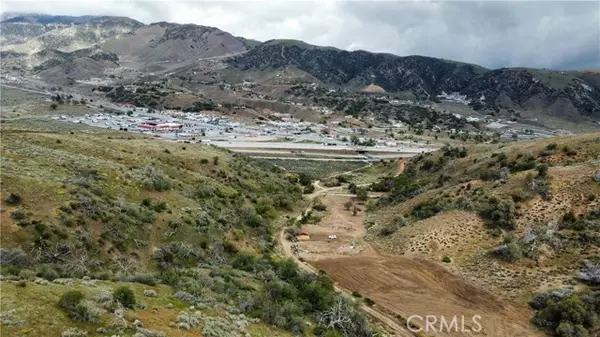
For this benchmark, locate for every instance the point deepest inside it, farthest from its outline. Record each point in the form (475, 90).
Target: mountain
(573, 95)
(33, 33)
(211, 56)
(139, 45)
(164, 42)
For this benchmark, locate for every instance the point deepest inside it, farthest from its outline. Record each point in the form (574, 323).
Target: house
(303, 234)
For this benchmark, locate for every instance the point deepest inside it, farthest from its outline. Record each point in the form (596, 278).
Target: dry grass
(463, 236)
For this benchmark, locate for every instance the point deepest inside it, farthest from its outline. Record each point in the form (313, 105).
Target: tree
(53, 106)
(352, 188)
(355, 210)
(362, 194)
(348, 204)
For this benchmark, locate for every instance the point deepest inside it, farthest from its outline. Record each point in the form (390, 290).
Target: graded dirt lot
(406, 285)
(414, 286)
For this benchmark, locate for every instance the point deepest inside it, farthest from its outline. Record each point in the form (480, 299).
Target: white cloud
(493, 34)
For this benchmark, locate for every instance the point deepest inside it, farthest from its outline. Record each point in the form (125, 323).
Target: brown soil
(407, 285)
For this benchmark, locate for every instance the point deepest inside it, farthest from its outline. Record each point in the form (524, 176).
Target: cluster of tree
(565, 313)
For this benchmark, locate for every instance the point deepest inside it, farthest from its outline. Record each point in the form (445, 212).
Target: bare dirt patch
(412, 284)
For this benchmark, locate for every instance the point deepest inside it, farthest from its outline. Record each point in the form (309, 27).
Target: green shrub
(567, 314)
(309, 189)
(446, 259)
(369, 301)
(528, 164)
(362, 194)
(356, 294)
(125, 296)
(69, 300)
(318, 205)
(489, 175)
(542, 171)
(519, 195)
(499, 213)
(244, 261)
(146, 202)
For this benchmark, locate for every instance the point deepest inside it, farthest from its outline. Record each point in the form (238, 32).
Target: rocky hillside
(562, 94)
(141, 45)
(34, 33)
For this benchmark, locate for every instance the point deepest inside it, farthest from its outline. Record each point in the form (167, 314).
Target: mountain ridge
(162, 46)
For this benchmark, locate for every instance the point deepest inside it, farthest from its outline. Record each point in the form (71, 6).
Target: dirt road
(401, 286)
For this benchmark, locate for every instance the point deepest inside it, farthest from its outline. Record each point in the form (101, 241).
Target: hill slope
(522, 218)
(93, 211)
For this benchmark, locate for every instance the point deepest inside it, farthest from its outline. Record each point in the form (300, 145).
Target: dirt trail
(401, 286)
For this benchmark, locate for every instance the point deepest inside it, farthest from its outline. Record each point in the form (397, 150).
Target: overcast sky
(544, 34)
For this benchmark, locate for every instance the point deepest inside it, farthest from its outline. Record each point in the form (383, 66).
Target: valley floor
(402, 286)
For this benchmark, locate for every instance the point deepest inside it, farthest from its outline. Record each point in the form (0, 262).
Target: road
(389, 321)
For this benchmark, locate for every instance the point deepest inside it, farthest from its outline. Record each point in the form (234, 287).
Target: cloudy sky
(548, 34)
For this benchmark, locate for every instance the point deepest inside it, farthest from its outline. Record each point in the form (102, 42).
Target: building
(303, 234)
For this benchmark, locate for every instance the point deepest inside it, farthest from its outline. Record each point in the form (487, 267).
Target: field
(317, 169)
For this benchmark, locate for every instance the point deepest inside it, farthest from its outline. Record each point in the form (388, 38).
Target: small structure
(303, 234)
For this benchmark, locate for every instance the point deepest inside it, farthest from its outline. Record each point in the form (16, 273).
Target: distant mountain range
(55, 44)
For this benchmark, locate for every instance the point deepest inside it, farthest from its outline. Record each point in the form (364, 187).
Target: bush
(542, 171)
(369, 301)
(69, 300)
(446, 259)
(489, 175)
(499, 213)
(309, 189)
(529, 164)
(150, 293)
(125, 296)
(17, 214)
(318, 205)
(362, 194)
(519, 195)
(567, 314)
(356, 294)
(147, 279)
(509, 252)
(13, 199)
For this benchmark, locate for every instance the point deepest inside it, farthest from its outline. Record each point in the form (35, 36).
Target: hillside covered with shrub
(523, 218)
(121, 234)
